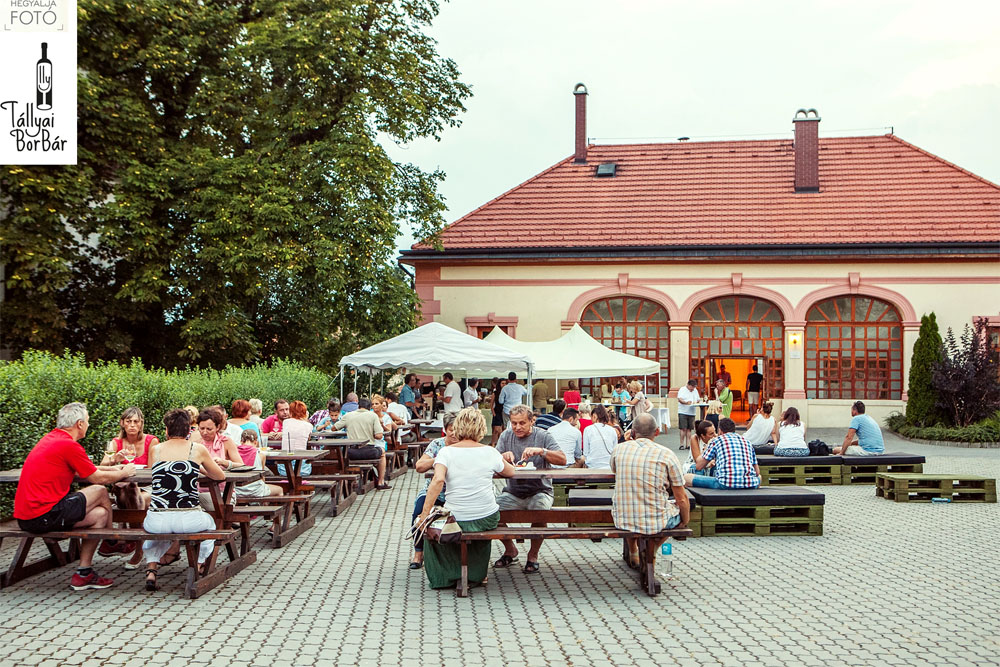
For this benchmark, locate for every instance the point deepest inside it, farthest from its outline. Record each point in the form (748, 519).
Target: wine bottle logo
(43, 80)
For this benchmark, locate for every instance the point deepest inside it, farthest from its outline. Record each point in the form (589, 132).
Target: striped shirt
(734, 461)
(643, 472)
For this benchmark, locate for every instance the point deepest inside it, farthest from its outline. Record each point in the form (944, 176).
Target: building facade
(811, 258)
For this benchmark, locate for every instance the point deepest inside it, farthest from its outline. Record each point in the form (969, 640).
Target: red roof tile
(872, 189)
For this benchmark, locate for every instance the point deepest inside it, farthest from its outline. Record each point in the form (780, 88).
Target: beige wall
(541, 296)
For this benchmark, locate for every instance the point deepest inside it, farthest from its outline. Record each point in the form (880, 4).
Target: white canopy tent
(434, 348)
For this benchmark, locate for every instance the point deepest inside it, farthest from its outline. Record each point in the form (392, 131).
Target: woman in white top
(790, 435)
(761, 427)
(467, 468)
(638, 401)
(599, 439)
(295, 433)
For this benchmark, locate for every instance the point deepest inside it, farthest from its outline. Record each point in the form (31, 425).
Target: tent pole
(341, 397)
(530, 388)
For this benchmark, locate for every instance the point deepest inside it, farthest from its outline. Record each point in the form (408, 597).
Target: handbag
(818, 448)
(439, 526)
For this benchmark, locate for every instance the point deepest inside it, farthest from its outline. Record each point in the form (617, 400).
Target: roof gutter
(713, 252)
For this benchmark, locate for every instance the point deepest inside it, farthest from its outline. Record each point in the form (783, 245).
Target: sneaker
(109, 548)
(93, 580)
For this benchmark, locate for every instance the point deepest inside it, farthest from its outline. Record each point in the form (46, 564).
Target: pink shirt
(271, 425)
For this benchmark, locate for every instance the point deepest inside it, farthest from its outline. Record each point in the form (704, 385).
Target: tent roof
(433, 348)
(575, 354)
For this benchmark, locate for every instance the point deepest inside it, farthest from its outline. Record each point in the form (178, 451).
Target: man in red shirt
(272, 425)
(43, 501)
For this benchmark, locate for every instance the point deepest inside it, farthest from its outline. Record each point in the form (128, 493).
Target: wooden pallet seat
(757, 512)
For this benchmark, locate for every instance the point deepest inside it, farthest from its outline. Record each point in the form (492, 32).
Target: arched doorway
(633, 326)
(854, 349)
(745, 330)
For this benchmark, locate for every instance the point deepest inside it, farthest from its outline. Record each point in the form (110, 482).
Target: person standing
(471, 397)
(407, 395)
(864, 437)
(512, 394)
(724, 375)
(572, 396)
(540, 397)
(44, 501)
(755, 389)
(452, 397)
(687, 398)
(724, 396)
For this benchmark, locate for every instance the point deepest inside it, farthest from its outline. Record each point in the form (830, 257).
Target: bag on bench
(439, 526)
(819, 448)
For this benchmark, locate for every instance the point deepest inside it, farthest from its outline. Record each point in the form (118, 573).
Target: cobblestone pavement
(887, 584)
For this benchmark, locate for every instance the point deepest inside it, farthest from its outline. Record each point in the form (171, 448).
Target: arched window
(739, 326)
(854, 349)
(633, 326)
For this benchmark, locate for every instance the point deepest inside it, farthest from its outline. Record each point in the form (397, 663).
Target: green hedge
(33, 389)
(987, 430)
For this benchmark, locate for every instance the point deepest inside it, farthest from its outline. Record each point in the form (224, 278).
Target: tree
(921, 402)
(966, 377)
(232, 201)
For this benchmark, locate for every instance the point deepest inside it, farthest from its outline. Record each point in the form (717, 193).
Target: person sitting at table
(790, 435)
(572, 395)
(333, 414)
(174, 506)
(547, 421)
(402, 414)
(256, 408)
(704, 433)
(350, 404)
(614, 423)
(295, 434)
(424, 464)
(232, 430)
(44, 501)
(735, 461)
(523, 442)
(272, 426)
(467, 468)
(241, 418)
(644, 471)
(320, 415)
(255, 457)
(223, 450)
(389, 425)
(192, 410)
(363, 424)
(586, 416)
(599, 439)
(567, 435)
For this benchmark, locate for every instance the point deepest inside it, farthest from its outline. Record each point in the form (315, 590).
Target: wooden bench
(367, 471)
(863, 469)
(283, 531)
(647, 543)
(799, 470)
(197, 584)
(915, 487)
(343, 489)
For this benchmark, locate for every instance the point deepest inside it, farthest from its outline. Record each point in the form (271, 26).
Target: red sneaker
(93, 580)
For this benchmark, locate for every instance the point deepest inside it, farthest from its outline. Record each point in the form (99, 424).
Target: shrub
(922, 397)
(966, 377)
(987, 430)
(33, 389)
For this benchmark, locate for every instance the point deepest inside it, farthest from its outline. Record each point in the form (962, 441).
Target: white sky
(658, 69)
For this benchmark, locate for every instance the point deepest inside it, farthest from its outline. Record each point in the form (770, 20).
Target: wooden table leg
(463, 585)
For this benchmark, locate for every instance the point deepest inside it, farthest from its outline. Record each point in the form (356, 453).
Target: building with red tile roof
(812, 258)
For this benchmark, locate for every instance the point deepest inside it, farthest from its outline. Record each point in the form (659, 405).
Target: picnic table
(567, 475)
(336, 449)
(197, 583)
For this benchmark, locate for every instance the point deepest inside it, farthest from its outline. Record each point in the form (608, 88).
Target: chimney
(806, 150)
(580, 92)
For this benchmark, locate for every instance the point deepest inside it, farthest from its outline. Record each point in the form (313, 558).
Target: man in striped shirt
(735, 461)
(644, 471)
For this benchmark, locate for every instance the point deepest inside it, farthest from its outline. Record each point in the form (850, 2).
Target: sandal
(530, 567)
(505, 561)
(170, 558)
(151, 583)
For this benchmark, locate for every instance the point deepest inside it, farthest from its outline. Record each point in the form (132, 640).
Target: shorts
(539, 501)
(497, 420)
(64, 515)
(367, 452)
(856, 450)
(506, 420)
(685, 422)
(753, 397)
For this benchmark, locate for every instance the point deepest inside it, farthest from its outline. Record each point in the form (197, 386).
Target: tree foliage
(921, 402)
(232, 201)
(966, 377)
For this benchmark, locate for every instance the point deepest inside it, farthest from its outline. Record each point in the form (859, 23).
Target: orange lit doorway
(738, 367)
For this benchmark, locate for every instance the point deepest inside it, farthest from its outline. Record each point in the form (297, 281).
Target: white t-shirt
(687, 395)
(455, 393)
(760, 430)
(599, 441)
(234, 432)
(792, 436)
(512, 394)
(399, 410)
(295, 433)
(469, 396)
(570, 441)
(469, 480)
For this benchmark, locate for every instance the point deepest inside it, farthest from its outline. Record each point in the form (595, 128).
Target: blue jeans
(418, 507)
(707, 482)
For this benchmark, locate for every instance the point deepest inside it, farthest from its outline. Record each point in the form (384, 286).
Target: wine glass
(128, 452)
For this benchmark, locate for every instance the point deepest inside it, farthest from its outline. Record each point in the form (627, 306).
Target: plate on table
(527, 465)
